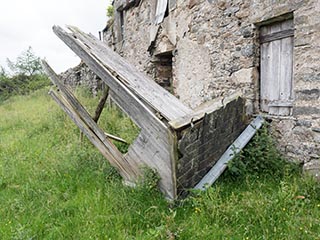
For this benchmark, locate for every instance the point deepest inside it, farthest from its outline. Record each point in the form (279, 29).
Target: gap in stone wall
(163, 70)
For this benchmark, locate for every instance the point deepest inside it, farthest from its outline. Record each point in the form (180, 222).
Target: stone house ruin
(205, 49)
(81, 75)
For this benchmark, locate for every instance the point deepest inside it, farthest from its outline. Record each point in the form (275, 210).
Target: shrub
(21, 85)
(260, 157)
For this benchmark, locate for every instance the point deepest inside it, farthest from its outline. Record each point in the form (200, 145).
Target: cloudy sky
(25, 23)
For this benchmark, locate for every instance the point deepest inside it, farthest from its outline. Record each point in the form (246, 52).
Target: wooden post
(98, 111)
(101, 104)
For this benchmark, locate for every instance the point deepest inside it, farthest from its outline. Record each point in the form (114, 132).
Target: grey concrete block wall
(201, 145)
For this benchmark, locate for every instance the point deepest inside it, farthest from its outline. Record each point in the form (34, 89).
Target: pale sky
(25, 23)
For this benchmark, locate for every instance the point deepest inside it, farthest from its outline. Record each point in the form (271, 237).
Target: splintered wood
(161, 117)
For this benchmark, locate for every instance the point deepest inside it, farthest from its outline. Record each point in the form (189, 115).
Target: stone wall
(215, 49)
(81, 75)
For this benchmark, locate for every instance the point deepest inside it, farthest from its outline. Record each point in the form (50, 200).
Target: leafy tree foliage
(3, 72)
(110, 11)
(27, 63)
(27, 77)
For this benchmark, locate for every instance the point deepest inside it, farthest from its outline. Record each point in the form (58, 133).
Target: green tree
(3, 73)
(27, 76)
(110, 11)
(27, 63)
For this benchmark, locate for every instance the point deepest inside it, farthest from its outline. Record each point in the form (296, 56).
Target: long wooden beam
(131, 104)
(153, 95)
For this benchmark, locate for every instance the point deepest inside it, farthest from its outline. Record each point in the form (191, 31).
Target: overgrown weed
(261, 157)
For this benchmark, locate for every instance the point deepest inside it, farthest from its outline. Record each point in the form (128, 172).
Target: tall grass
(52, 186)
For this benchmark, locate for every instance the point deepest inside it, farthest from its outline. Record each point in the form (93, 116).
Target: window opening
(163, 70)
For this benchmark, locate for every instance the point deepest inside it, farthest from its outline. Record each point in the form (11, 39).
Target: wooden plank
(81, 111)
(126, 172)
(146, 89)
(281, 103)
(152, 148)
(128, 102)
(274, 70)
(264, 84)
(286, 71)
(266, 71)
(156, 155)
(277, 35)
(98, 112)
(202, 110)
(99, 108)
(229, 154)
(173, 143)
(141, 85)
(285, 84)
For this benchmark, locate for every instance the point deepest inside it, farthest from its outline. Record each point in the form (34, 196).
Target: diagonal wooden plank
(126, 172)
(76, 105)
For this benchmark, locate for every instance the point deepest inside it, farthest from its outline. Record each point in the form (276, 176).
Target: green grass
(52, 186)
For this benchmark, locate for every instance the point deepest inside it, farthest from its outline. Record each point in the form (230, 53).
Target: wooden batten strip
(115, 138)
(276, 36)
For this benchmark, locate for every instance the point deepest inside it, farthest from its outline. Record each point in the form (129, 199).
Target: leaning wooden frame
(180, 143)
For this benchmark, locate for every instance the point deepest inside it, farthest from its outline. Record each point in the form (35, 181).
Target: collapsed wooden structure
(180, 143)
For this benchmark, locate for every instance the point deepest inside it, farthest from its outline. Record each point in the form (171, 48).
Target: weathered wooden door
(276, 87)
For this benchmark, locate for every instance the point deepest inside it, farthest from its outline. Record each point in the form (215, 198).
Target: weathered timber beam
(128, 102)
(82, 112)
(125, 171)
(202, 110)
(150, 92)
(276, 36)
(230, 153)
